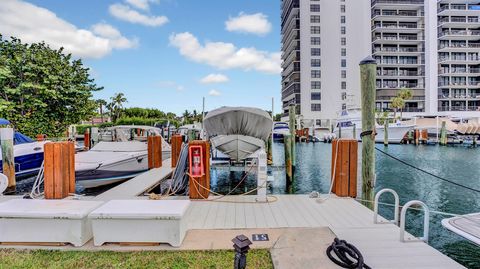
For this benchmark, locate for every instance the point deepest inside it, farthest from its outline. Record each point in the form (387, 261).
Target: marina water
(459, 164)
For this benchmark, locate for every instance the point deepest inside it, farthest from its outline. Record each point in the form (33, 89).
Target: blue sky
(158, 64)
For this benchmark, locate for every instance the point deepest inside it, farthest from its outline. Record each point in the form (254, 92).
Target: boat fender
(314, 194)
(347, 255)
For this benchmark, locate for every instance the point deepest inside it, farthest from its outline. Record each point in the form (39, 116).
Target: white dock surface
(134, 187)
(348, 219)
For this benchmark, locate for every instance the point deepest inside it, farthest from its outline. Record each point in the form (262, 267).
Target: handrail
(375, 207)
(426, 221)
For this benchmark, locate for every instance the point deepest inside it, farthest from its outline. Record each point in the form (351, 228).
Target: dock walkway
(134, 187)
(348, 219)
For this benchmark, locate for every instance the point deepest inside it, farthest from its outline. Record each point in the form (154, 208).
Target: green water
(459, 164)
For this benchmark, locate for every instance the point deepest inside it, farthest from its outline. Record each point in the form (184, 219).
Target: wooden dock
(348, 219)
(134, 187)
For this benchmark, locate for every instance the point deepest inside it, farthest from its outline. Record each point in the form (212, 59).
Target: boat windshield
(345, 124)
(19, 138)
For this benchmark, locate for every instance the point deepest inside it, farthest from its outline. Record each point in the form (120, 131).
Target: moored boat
(280, 129)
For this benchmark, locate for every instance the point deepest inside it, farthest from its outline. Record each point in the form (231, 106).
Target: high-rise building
(429, 46)
(322, 43)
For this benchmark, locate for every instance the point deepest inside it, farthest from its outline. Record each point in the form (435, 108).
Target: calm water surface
(459, 164)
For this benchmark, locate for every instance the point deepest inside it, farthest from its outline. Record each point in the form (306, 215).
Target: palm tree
(405, 94)
(397, 103)
(101, 103)
(116, 105)
(186, 117)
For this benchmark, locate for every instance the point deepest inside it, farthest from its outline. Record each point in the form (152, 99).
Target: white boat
(351, 119)
(467, 226)
(238, 131)
(280, 129)
(109, 162)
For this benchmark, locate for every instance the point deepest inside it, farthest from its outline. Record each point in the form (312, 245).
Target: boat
(467, 226)
(238, 131)
(109, 162)
(28, 154)
(279, 130)
(350, 122)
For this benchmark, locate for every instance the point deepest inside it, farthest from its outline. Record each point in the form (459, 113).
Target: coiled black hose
(347, 255)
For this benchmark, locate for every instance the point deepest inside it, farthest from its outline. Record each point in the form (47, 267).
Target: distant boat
(238, 131)
(352, 118)
(280, 129)
(121, 155)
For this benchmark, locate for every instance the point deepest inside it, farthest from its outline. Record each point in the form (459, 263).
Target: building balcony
(460, 60)
(459, 96)
(458, 10)
(458, 47)
(396, 40)
(458, 108)
(399, 74)
(397, 3)
(458, 22)
(463, 71)
(399, 86)
(459, 35)
(399, 28)
(397, 51)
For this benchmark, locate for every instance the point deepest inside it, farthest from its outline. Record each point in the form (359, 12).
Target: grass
(258, 258)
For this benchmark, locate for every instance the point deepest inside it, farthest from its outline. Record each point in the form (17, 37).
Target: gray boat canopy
(247, 121)
(238, 131)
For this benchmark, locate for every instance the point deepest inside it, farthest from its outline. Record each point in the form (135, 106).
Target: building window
(342, 8)
(316, 63)
(316, 107)
(315, 18)
(344, 85)
(344, 106)
(318, 122)
(316, 96)
(342, 19)
(315, 40)
(343, 30)
(315, 51)
(344, 52)
(316, 74)
(315, 29)
(344, 73)
(315, 8)
(316, 85)
(344, 63)
(344, 41)
(344, 95)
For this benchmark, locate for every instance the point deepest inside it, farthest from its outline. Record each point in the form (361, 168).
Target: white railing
(375, 207)
(426, 221)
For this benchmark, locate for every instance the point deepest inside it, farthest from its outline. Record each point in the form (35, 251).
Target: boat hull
(395, 133)
(28, 159)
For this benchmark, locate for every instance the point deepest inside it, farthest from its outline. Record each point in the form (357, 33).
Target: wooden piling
(443, 134)
(59, 170)
(292, 126)
(154, 144)
(269, 150)
(199, 188)
(417, 137)
(354, 135)
(368, 70)
(344, 167)
(177, 141)
(385, 133)
(8, 158)
(287, 141)
(86, 139)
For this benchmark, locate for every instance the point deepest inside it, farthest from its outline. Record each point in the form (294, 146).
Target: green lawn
(143, 259)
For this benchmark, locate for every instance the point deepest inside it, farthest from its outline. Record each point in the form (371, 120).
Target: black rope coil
(347, 255)
(365, 133)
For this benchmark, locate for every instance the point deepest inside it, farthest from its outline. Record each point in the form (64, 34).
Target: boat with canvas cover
(113, 161)
(238, 131)
(28, 154)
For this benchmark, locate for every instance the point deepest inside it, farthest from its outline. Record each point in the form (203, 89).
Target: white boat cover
(247, 121)
(238, 131)
(467, 226)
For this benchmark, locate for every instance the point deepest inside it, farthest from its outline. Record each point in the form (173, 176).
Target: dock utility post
(426, 221)
(8, 157)
(262, 177)
(86, 139)
(368, 71)
(375, 207)
(199, 171)
(59, 169)
(93, 136)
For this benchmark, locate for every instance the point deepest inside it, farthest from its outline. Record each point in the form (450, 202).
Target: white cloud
(141, 4)
(171, 85)
(125, 13)
(214, 93)
(226, 55)
(249, 23)
(214, 78)
(31, 23)
(114, 36)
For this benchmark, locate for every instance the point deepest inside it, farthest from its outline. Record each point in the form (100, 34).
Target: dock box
(140, 221)
(46, 221)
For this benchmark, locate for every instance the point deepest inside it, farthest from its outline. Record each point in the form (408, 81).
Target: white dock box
(46, 221)
(140, 221)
